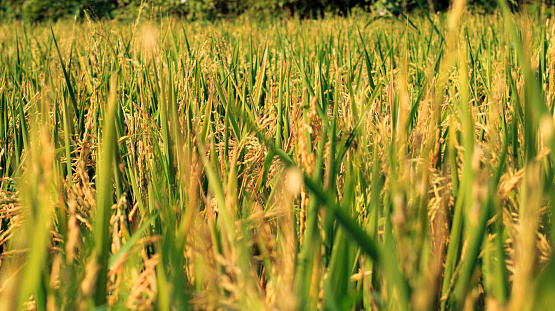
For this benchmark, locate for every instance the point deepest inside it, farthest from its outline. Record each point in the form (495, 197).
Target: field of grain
(356, 163)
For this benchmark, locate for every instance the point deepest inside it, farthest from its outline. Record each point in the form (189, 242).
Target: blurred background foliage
(41, 10)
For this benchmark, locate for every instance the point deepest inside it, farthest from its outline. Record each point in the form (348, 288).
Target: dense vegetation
(48, 10)
(350, 163)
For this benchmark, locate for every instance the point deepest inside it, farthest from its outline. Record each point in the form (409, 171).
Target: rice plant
(355, 163)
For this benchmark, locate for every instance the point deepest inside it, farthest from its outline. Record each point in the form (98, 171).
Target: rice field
(355, 163)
